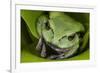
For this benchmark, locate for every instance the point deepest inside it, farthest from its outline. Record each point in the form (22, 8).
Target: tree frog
(60, 33)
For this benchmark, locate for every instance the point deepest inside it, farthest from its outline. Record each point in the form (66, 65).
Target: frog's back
(64, 24)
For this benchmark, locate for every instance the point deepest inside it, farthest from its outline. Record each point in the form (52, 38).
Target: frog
(59, 32)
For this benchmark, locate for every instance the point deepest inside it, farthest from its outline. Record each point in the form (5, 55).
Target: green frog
(60, 33)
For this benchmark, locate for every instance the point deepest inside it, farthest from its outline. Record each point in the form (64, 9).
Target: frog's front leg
(41, 47)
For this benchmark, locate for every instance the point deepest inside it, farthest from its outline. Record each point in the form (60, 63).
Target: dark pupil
(47, 26)
(70, 38)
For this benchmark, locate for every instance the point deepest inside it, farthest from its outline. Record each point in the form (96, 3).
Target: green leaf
(30, 18)
(25, 38)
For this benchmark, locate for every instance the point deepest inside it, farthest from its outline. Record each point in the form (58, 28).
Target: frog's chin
(63, 52)
(60, 50)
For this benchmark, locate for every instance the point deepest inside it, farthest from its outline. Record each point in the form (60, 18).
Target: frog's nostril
(70, 38)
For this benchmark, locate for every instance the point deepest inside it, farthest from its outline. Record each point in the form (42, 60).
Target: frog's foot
(61, 56)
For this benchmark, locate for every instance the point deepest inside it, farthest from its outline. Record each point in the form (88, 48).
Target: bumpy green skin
(59, 31)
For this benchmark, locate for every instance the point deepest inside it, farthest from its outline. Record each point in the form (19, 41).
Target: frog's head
(60, 30)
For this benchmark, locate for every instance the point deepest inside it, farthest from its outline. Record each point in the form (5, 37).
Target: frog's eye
(71, 37)
(47, 26)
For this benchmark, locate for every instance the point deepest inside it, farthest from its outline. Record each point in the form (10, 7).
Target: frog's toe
(57, 57)
(43, 51)
(39, 45)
